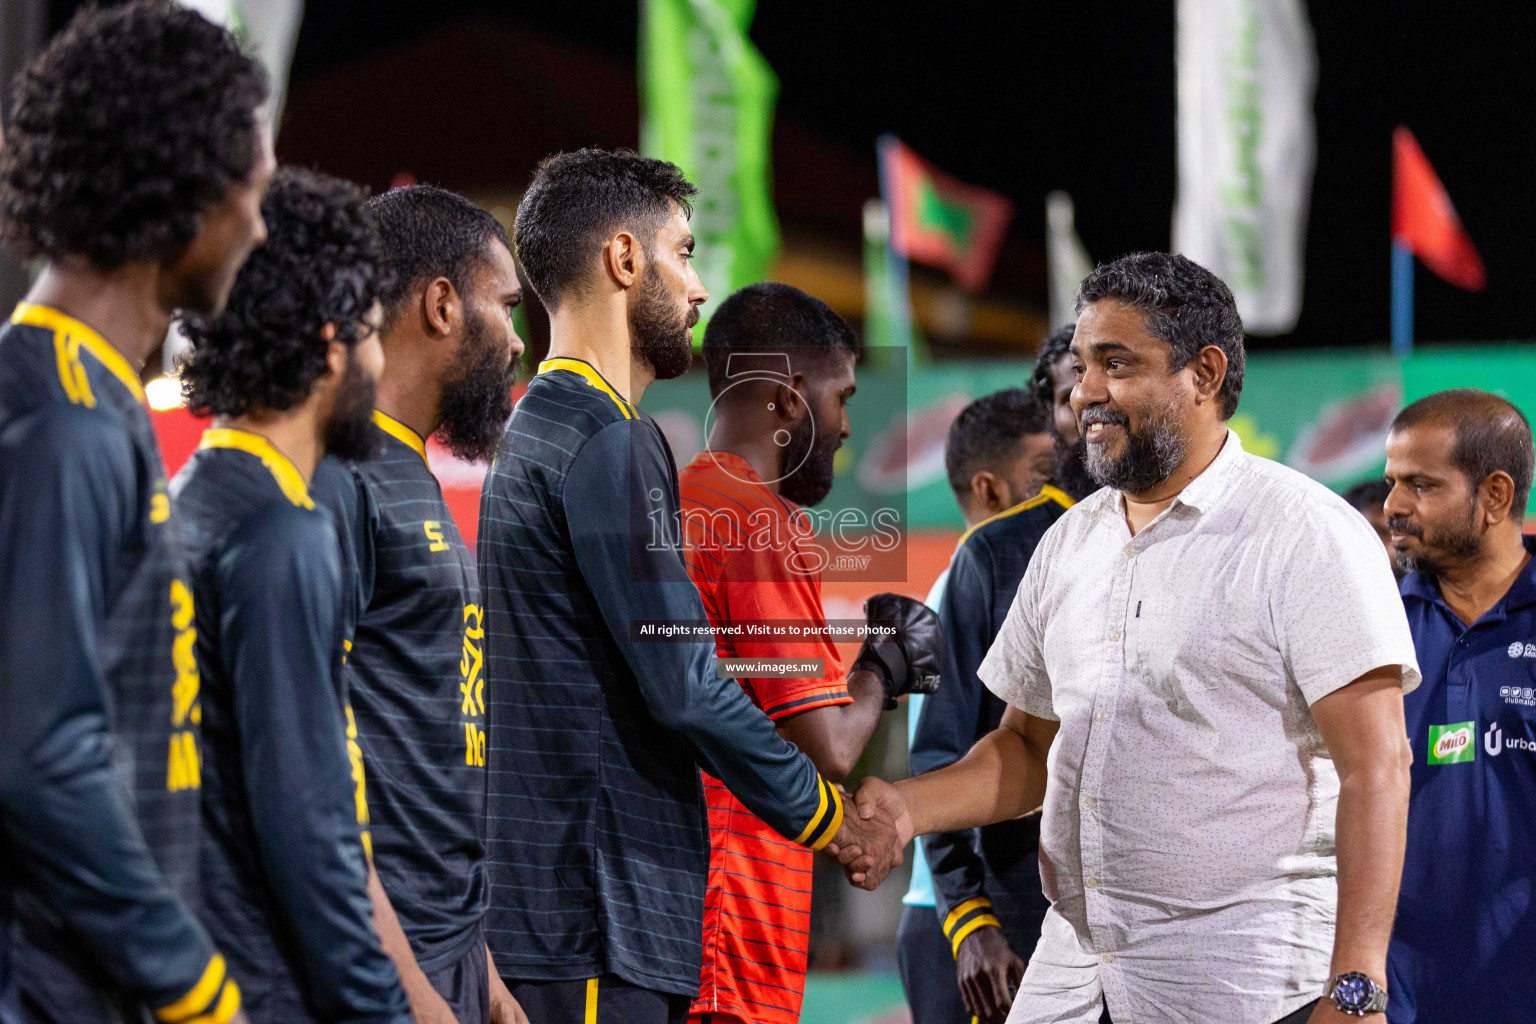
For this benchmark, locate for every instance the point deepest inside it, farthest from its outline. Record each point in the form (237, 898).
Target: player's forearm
(1371, 834)
(1002, 777)
(835, 737)
(398, 948)
(78, 842)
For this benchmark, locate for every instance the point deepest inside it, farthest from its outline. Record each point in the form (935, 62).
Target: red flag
(938, 220)
(1425, 222)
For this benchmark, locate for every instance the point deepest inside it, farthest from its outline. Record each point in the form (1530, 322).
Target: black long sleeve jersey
(416, 683)
(986, 876)
(597, 844)
(99, 696)
(284, 795)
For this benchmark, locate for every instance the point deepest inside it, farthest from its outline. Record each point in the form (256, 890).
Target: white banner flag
(1066, 261)
(269, 29)
(1247, 73)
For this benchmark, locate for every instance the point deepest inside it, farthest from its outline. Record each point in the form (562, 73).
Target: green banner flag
(707, 100)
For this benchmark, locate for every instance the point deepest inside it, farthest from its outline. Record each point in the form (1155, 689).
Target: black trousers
(928, 969)
(602, 1000)
(466, 985)
(1300, 1016)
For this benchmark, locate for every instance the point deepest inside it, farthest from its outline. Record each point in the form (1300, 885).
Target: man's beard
(1448, 546)
(1151, 453)
(349, 434)
(1071, 468)
(476, 406)
(660, 332)
(807, 466)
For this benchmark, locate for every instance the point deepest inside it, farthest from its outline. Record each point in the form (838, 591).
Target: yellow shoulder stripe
(69, 337)
(400, 432)
(589, 373)
(287, 475)
(1047, 493)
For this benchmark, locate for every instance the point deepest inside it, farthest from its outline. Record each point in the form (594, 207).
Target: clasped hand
(876, 829)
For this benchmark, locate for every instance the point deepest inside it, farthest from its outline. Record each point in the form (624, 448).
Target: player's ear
(1210, 372)
(787, 400)
(988, 493)
(335, 353)
(441, 309)
(622, 257)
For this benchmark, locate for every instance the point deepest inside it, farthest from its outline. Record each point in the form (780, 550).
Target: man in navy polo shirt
(1460, 465)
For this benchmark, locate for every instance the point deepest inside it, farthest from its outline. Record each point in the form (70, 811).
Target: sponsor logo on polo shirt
(1494, 741)
(1520, 650)
(1522, 695)
(1452, 744)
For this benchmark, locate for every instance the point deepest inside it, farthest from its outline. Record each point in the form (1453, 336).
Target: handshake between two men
(905, 650)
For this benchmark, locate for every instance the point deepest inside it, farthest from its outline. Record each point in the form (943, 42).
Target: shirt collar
(731, 463)
(289, 480)
(400, 432)
(586, 371)
(1200, 493)
(1521, 593)
(69, 337)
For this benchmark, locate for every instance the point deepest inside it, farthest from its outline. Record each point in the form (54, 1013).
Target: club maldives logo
(1452, 744)
(1522, 695)
(1520, 650)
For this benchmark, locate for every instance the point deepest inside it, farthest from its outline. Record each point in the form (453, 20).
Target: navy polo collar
(1520, 594)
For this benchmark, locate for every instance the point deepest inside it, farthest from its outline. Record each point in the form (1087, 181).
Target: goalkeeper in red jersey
(781, 372)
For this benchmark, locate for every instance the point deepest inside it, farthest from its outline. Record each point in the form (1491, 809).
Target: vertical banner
(707, 98)
(1066, 261)
(1247, 72)
(269, 29)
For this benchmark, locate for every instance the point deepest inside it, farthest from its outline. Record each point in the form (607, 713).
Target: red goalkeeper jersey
(754, 559)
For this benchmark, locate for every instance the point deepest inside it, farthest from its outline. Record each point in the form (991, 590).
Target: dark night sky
(1027, 97)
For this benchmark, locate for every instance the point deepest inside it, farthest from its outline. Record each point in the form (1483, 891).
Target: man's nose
(1090, 390)
(1397, 503)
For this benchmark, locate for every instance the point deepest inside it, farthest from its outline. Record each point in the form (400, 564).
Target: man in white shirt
(1205, 665)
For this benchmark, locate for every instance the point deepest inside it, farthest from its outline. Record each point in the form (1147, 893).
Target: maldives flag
(1425, 222)
(938, 220)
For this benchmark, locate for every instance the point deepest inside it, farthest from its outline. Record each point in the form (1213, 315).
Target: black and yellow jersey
(99, 760)
(597, 843)
(417, 687)
(987, 876)
(284, 870)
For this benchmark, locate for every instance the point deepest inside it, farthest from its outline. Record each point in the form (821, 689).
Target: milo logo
(1452, 744)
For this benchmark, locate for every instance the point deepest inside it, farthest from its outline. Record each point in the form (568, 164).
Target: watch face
(1353, 991)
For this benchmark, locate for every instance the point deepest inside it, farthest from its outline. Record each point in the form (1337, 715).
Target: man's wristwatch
(1356, 994)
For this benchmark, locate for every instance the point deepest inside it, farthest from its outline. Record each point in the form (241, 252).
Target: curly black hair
(322, 263)
(131, 123)
(1180, 302)
(1056, 347)
(576, 200)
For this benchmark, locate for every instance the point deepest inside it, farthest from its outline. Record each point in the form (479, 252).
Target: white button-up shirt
(1187, 843)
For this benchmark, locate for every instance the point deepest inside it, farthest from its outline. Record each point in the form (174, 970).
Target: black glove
(908, 660)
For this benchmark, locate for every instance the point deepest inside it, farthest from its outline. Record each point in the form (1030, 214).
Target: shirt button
(1088, 801)
(1109, 958)
(1103, 716)
(1091, 882)
(1114, 637)
(1130, 550)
